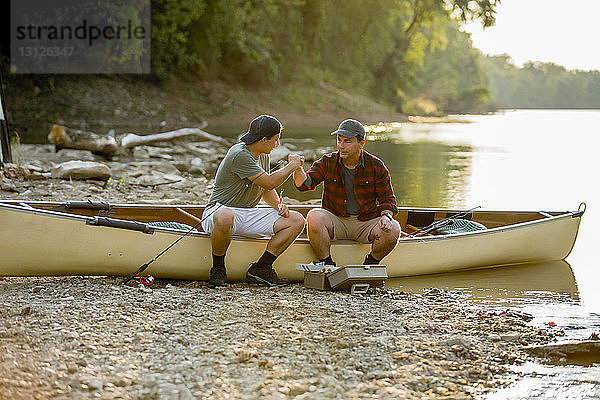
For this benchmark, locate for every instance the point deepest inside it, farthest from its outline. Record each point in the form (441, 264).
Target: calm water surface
(523, 159)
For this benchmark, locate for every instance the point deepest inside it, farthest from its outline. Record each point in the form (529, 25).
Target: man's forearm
(271, 198)
(299, 176)
(277, 178)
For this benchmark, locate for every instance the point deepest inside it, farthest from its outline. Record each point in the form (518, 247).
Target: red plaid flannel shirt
(372, 185)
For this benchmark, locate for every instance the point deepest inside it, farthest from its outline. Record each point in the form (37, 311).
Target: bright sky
(563, 32)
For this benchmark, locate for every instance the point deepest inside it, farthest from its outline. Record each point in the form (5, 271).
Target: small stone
(442, 390)
(81, 170)
(121, 382)
(8, 186)
(95, 385)
(82, 362)
(510, 338)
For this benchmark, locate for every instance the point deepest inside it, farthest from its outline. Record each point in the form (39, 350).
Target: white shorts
(250, 222)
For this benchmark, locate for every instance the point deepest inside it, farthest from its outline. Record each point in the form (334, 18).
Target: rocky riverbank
(92, 337)
(179, 172)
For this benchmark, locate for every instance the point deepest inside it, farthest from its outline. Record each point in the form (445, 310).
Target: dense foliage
(541, 85)
(392, 50)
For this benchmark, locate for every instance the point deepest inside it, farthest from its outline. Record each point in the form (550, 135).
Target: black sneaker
(320, 265)
(264, 276)
(330, 265)
(369, 260)
(218, 276)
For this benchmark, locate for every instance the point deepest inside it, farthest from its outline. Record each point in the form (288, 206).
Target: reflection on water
(502, 285)
(552, 382)
(423, 172)
(426, 173)
(549, 292)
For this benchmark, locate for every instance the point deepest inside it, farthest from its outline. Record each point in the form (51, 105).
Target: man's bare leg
(220, 237)
(384, 241)
(286, 230)
(320, 233)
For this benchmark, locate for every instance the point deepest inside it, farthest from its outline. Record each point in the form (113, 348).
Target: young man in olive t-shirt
(242, 180)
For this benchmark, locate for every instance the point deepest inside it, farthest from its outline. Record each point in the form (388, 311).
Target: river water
(520, 159)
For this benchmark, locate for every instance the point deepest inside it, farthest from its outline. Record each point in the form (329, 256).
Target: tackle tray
(316, 280)
(354, 278)
(357, 278)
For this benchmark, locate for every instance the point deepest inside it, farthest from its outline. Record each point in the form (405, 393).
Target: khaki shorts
(351, 227)
(250, 222)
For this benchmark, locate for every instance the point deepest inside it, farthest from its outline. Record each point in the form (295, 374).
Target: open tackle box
(354, 278)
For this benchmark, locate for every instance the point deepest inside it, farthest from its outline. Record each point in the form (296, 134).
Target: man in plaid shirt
(358, 200)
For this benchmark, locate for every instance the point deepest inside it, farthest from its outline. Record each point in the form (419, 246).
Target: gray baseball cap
(350, 128)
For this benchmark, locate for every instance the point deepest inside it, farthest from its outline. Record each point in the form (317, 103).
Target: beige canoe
(54, 238)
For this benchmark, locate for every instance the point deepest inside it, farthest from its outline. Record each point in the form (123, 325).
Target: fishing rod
(146, 265)
(440, 223)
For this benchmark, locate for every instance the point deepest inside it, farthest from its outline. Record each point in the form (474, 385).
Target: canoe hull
(37, 242)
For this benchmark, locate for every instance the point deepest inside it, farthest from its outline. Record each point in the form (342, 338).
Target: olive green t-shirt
(232, 186)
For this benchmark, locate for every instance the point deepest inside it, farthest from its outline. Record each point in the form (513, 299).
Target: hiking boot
(264, 276)
(218, 276)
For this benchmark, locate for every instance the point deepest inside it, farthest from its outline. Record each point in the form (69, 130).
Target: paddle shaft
(146, 265)
(440, 223)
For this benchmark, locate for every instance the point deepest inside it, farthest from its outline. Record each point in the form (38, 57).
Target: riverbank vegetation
(540, 85)
(386, 50)
(232, 57)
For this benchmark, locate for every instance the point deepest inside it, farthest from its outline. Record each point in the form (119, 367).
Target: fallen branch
(108, 146)
(131, 140)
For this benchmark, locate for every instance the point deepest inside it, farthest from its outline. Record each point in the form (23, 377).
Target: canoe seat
(458, 225)
(172, 225)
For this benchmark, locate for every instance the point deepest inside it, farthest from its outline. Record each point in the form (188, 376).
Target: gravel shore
(92, 337)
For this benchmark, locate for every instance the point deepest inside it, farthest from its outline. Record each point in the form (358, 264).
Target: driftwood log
(105, 146)
(108, 146)
(582, 353)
